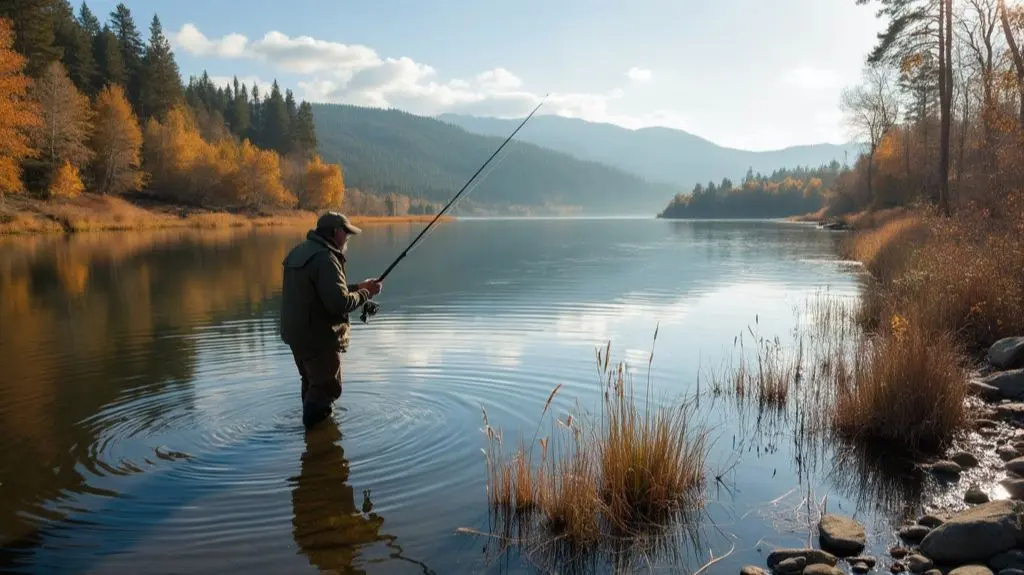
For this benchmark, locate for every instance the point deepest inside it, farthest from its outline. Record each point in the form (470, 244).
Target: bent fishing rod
(370, 308)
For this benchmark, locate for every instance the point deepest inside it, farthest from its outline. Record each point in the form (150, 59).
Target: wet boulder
(1007, 353)
(976, 534)
(971, 570)
(810, 557)
(1010, 383)
(841, 536)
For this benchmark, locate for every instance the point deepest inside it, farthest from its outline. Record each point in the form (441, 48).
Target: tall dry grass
(619, 474)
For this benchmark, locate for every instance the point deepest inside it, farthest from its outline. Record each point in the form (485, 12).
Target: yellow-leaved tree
(67, 117)
(323, 185)
(258, 179)
(18, 113)
(117, 141)
(66, 182)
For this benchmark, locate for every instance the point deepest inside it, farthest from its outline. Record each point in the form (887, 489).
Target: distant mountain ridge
(386, 150)
(657, 154)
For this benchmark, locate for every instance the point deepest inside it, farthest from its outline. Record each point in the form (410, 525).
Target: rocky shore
(984, 535)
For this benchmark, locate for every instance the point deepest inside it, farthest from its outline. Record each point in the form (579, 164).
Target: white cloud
(355, 74)
(810, 78)
(639, 75)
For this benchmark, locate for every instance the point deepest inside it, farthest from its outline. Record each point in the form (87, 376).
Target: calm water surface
(151, 420)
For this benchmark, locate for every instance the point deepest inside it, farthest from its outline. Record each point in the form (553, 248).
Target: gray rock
(898, 567)
(1007, 353)
(1013, 410)
(791, 565)
(822, 569)
(1009, 383)
(1011, 571)
(1015, 487)
(964, 459)
(918, 563)
(975, 496)
(1015, 465)
(1013, 559)
(810, 556)
(1017, 444)
(840, 535)
(859, 567)
(971, 570)
(933, 572)
(984, 391)
(898, 552)
(945, 467)
(930, 520)
(1007, 452)
(975, 534)
(865, 559)
(914, 532)
(985, 424)
(752, 570)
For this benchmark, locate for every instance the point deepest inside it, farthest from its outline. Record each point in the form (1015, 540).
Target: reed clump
(603, 477)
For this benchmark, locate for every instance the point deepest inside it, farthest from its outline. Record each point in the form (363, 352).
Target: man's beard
(344, 249)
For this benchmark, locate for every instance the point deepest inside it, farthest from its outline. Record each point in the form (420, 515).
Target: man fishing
(315, 305)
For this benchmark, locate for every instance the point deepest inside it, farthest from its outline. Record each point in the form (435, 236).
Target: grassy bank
(91, 212)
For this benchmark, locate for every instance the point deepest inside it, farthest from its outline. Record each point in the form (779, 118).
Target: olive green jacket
(315, 298)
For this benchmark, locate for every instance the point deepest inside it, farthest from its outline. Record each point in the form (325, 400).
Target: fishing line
(370, 308)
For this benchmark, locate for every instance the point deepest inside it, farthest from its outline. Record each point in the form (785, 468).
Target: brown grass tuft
(632, 469)
(907, 390)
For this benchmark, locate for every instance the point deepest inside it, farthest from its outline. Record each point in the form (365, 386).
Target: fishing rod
(370, 308)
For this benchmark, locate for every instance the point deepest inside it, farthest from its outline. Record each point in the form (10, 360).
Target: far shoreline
(21, 216)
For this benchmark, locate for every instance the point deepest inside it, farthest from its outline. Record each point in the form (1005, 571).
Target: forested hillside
(783, 193)
(658, 154)
(390, 151)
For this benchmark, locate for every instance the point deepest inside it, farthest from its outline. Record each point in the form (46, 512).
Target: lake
(151, 414)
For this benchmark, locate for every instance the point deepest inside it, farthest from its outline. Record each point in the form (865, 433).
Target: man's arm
(334, 291)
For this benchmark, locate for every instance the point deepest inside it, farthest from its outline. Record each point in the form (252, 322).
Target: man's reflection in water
(326, 524)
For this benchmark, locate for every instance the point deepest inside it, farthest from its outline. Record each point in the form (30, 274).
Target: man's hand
(371, 285)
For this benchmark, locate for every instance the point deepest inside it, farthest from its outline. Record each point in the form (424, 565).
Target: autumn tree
(117, 142)
(18, 113)
(66, 116)
(161, 84)
(872, 110)
(323, 186)
(65, 182)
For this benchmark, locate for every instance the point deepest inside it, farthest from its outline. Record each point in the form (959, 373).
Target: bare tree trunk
(1018, 60)
(945, 95)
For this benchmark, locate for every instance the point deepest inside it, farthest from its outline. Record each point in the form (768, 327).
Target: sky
(749, 74)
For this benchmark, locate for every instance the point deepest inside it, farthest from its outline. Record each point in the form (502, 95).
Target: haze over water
(152, 419)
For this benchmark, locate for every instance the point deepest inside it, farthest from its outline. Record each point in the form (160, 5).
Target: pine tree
(109, 61)
(289, 102)
(67, 119)
(132, 49)
(88, 21)
(255, 133)
(240, 114)
(18, 114)
(304, 131)
(76, 44)
(161, 83)
(32, 22)
(276, 127)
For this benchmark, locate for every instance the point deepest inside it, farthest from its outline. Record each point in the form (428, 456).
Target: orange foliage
(18, 114)
(117, 141)
(66, 182)
(323, 185)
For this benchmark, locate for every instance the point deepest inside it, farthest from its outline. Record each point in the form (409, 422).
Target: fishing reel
(370, 309)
